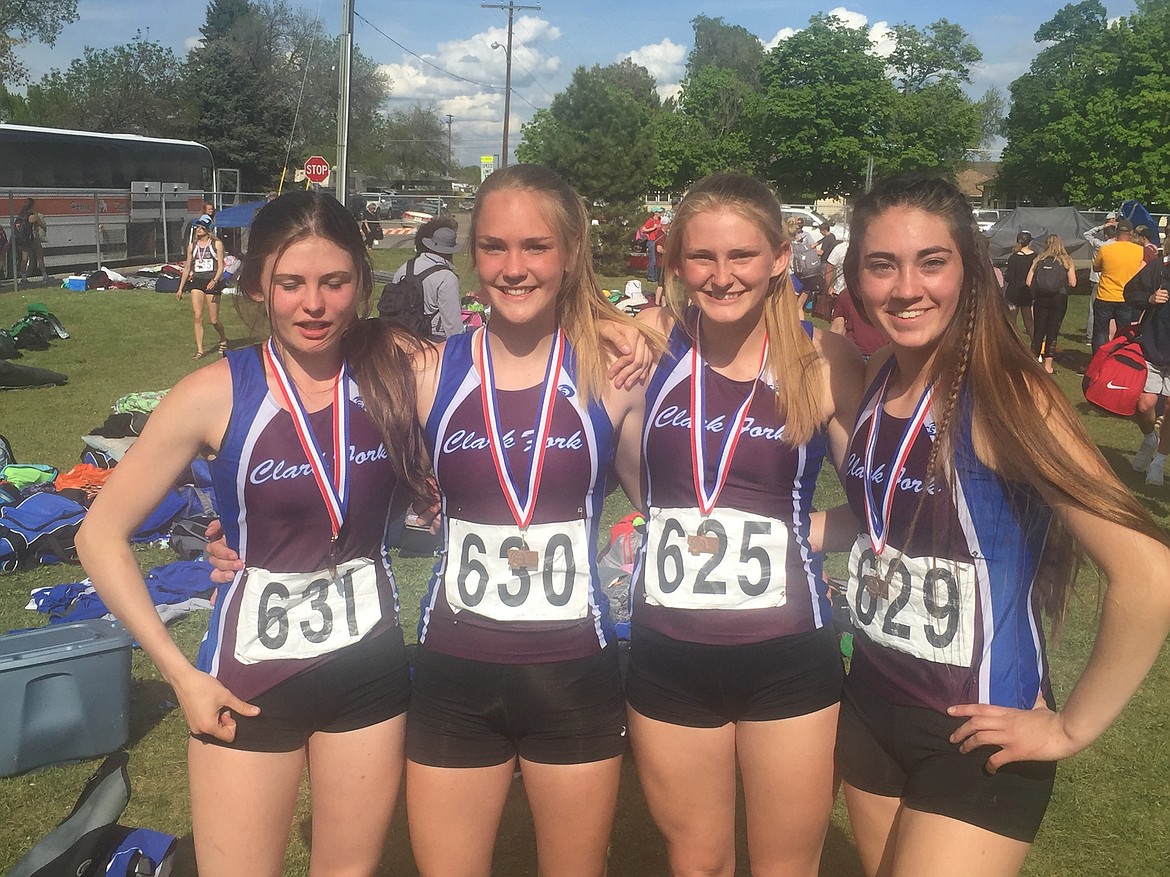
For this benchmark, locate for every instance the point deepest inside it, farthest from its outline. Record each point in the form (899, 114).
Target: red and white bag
(1116, 374)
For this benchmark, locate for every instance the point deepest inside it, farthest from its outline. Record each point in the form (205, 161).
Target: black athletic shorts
(706, 686)
(905, 752)
(362, 685)
(467, 713)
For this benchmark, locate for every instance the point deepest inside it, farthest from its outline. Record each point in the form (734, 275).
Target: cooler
(65, 694)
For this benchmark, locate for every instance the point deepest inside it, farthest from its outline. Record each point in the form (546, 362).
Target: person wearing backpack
(1051, 276)
(27, 229)
(424, 294)
(1147, 291)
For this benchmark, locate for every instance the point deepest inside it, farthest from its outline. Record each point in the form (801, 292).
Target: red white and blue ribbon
(335, 490)
(878, 517)
(522, 509)
(709, 497)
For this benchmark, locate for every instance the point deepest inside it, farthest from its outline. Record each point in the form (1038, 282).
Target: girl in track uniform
(517, 664)
(314, 441)
(973, 529)
(733, 657)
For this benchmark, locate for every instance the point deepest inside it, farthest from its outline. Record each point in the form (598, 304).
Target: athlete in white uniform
(948, 730)
(733, 661)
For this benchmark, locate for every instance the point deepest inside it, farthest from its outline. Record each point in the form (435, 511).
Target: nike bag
(1116, 374)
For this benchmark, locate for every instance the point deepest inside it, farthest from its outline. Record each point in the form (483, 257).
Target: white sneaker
(1145, 454)
(1154, 473)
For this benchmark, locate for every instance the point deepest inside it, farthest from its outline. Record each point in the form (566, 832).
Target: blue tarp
(239, 216)
(1136, 213)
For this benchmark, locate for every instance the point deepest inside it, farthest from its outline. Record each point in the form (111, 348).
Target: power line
(424, 60)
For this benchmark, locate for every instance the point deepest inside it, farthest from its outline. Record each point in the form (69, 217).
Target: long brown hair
(1018, 408)
(581, 305)
(793, 363)
(379, 354)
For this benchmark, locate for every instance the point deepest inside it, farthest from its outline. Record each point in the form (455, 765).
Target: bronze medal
(702, 544)
(876, 586)
(522, 558)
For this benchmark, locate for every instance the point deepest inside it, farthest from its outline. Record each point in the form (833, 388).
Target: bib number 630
(478, 576)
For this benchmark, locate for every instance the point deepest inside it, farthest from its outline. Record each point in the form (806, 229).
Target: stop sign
(316, 169)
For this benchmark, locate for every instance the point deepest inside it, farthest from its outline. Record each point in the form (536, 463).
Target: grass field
(1110, 815)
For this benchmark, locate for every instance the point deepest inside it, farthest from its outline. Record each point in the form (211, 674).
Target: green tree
(933, 127)
(597, 135)
(708, 131)
(411, 144)
(827, 107)
(941, 51)
(719, 44)
(24, 22)
(1088, 122)
(600, 137)
(133, 89)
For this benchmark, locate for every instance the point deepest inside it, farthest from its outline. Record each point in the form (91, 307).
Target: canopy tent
(239, 215)
(1135, 212)
(1068, 222)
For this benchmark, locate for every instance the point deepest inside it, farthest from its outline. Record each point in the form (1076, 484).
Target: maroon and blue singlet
(288, 611)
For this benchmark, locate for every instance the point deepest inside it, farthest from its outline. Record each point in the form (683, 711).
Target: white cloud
(665, 60)
(192, 43)
(880, 32)
(781, 35)
(479, 69)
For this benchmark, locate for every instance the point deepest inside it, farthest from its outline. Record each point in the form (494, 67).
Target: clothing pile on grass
(165, 278)
(33, 332)
(41, 510)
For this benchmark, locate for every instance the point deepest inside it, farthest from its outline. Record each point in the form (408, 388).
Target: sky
(439, 53)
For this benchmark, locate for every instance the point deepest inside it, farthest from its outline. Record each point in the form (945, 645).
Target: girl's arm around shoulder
(844, 382)
(626, 408)
(1134, 621)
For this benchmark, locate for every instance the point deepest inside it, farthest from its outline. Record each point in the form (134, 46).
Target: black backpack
(1049, 277)
(402, 300)
(22, 230)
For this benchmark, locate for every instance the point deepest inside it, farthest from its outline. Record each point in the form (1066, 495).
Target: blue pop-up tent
(238, 216)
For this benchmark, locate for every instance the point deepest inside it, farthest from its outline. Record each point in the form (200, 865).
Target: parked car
(985, 219)
(376, 203)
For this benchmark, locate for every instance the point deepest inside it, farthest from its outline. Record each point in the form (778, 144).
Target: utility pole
(341, 184)
(450, 155)
(511, 7)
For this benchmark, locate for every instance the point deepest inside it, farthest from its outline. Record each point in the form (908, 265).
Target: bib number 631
(305, 615)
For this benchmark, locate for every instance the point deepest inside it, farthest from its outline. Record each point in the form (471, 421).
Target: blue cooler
(65, 691)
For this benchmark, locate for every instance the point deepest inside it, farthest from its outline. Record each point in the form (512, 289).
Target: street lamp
(507, 91)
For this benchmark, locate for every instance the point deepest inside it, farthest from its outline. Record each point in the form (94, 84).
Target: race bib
(737, 561)
(922, 606)
(492, 571)
(205, 266)
(306, 615)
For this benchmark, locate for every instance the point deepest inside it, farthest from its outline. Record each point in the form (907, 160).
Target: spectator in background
(1118, 263)
(29, 230)
(1143, 236)
(827, 242)
(1098, 236)
(435, 242)
(201, 276)
(1147, 290)
(652, 233)
(1015, 279)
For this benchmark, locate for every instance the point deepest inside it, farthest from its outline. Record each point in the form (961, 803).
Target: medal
(702, 544)
(876, 586)
(335, 490)
(520, 558)
(707, 498)
(877, 516)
